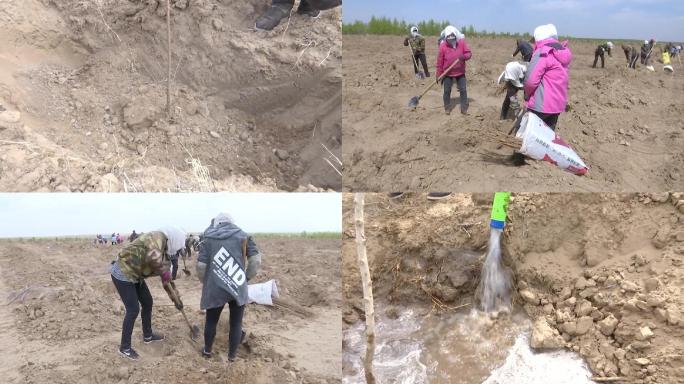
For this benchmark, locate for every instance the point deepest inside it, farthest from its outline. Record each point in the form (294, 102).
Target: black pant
(131, 294)
(461, 84)
(420, 58)
(633, 59)
(550, 119)
(174, 263)
(511, 91)
(597, 54)
(235, 333)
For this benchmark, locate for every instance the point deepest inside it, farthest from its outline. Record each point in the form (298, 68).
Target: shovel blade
(187, 273)
(194, 333)
(413, 102)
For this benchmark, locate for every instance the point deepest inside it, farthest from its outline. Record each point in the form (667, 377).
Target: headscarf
(175, 239)
(610, 45)
(223, 218)
(414, 31)
(544, 32)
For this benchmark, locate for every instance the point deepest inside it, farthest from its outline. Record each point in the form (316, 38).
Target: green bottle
(499, 208)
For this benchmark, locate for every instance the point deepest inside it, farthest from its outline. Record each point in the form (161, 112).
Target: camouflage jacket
(417, 43)
(145, 257)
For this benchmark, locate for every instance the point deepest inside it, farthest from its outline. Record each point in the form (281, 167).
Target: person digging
(512, 76)
(417, 44)
(281, 9)
(454, 49)
(228, 259)
(600, 52)
(148, 255)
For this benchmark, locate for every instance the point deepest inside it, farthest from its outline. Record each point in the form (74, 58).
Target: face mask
(452, 42)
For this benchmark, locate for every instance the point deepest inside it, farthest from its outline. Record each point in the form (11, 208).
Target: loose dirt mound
(603, 270)
(64, 316)
(85, 84)
(626, 125)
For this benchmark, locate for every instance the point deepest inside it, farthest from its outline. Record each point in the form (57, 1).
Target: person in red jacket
(454, 47)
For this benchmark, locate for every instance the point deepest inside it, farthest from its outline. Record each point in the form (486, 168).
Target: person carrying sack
(228, 259)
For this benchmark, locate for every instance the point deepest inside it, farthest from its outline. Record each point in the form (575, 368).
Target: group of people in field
(542, 74)
(227, 260)
(113, 239)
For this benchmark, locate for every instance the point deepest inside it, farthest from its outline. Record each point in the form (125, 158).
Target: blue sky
(630, 19)
(59, 214)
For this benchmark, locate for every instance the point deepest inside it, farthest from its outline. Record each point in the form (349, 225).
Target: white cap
(544, 32)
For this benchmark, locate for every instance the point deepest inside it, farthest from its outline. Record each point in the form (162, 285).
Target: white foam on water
(524, 366)
(397, 351)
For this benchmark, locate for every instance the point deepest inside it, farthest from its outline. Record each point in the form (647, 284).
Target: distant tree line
(386, 26)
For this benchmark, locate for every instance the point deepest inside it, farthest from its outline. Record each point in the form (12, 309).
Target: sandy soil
(82, 97)
(627, 126)
(609, 261)
(66, 328)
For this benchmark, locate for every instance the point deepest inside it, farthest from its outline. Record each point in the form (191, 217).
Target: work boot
(129, 353)
(206, 354)
(395, 195)
(464, 109)
(273, 16)
(153, 337)
(324, 4)
(305, 9)
(438, 195)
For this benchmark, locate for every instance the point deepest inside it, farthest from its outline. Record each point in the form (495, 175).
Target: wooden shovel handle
(439, 78)
(244, 252)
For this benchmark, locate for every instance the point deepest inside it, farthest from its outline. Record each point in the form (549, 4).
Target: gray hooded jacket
(221, 266)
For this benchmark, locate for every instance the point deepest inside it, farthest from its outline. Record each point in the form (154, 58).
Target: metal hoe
(420, 74)
(413, 103)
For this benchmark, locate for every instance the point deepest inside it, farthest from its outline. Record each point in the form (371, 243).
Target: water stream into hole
(493, 292)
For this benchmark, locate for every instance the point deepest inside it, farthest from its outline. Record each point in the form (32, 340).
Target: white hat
(610, 45)
(544, 32)
(223, 218)
(175, 239)
(451, 30)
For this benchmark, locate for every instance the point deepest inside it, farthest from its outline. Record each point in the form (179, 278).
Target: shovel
(413, 103)
(185, 268)
(194, 330)
(420, 75)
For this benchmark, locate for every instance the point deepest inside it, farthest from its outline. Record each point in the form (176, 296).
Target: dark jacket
(524, 48)
(225, 278)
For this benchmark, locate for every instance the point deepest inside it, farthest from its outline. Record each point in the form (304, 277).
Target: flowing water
(489, 346)
(465, 347)
(495, 282)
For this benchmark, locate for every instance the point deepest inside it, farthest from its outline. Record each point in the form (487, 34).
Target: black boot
(306, 9)
(273, 16)
(324, 4)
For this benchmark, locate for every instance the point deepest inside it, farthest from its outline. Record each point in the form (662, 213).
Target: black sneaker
(206, 354)
(273, 16)
(438, 195)
(129, 353)
(153, 337)
(395, 195)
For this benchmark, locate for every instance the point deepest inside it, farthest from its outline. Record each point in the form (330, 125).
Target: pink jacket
(546, 80)
(447, 55)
